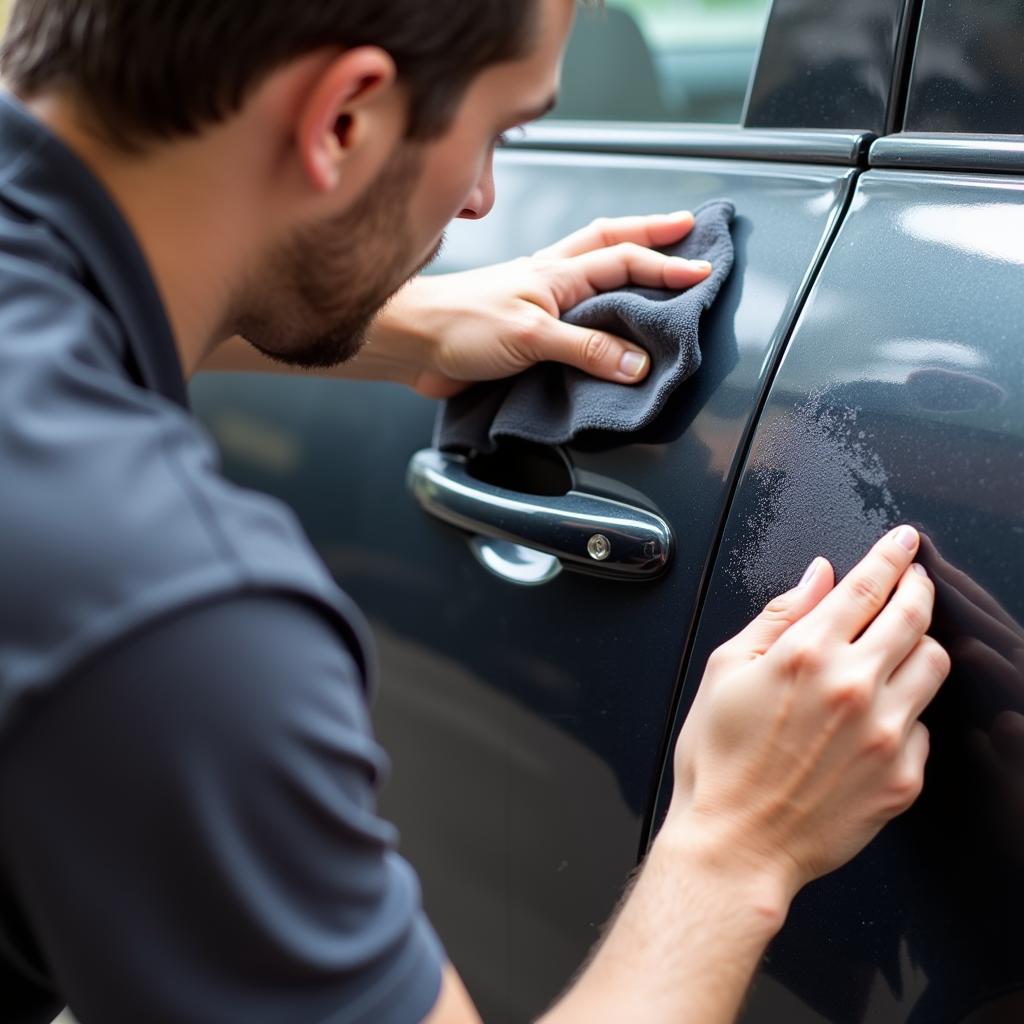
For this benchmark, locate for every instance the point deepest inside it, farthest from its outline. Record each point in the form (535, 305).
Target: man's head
(355, 129)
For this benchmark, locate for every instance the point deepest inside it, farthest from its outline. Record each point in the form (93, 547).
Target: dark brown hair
(157, 69)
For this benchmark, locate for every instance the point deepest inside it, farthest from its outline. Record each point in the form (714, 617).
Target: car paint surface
(527, 724)
(901, 399)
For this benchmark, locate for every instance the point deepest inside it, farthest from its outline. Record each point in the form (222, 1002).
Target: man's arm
(190, 825)
(440, 334)
(685, 943)
(802, 743)
(683, 947)
(454, 1005)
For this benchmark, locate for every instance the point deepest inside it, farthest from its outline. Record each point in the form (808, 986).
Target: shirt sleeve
(190, 827)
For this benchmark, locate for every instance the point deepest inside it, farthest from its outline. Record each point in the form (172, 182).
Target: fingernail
(906, 537)
(809, 573)
(681, 213)
(700, 264)
(920, 569)
(632, 363)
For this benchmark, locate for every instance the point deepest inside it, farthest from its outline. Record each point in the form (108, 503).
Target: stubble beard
(322, 289)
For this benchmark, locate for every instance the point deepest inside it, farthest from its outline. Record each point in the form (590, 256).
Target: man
(187, 772)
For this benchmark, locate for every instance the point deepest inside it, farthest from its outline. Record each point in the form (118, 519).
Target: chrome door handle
(586, 532)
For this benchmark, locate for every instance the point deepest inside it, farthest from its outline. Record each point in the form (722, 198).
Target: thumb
(786, 609)
(595, 352)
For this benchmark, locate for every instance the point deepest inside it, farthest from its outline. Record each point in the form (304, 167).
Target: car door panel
(527, 724)
(901, 398)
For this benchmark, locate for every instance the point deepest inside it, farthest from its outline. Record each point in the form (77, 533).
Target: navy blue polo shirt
(188, 825)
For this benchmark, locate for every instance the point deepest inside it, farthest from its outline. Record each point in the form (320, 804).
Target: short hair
(150, 70)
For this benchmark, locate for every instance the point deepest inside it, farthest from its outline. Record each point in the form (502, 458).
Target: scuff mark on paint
(819, 487)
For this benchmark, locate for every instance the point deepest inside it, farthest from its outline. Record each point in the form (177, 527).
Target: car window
(662, 60)
(968, 71)
(829, 64)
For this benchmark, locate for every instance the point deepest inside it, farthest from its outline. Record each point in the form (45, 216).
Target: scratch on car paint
(820, 488)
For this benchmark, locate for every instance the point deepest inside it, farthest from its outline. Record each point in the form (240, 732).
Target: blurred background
(662, 60)
(657, 60)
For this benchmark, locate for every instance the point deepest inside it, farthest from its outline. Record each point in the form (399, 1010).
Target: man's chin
(319, 352)
(435, 254)
(289, 345)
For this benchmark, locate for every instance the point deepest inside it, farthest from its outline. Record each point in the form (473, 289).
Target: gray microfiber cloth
(551, 403)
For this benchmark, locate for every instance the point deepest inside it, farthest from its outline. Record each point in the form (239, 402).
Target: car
(863, 366)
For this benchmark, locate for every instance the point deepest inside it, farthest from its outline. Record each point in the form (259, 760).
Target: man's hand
(802, 743)
(442, 333)
(804, 739)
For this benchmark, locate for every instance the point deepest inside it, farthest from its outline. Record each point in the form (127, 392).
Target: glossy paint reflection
(986, 643)
(962, 845)
(901, 398)
(991, 230)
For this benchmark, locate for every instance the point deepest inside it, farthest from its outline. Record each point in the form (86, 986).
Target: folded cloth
(551, 403)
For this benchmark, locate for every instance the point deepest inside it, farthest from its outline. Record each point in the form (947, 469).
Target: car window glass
(968, 68)
(662, 60)
(828, 64)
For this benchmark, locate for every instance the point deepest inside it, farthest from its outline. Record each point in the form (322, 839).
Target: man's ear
(354, 102)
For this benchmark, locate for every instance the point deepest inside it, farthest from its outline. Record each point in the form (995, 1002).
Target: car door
(528, 724)
(900, 398)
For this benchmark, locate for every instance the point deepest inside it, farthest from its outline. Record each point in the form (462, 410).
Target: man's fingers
(605, 270)
(595, 352)
(864, 592)
(915, 683)
(785, 610)
(654, 231)
(909, 779)
(902, 622)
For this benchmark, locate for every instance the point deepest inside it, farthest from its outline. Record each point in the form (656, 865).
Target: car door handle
(586, 532)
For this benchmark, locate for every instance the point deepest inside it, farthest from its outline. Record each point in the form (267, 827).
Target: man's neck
(182, 203)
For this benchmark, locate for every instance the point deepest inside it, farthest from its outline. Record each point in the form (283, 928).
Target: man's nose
(481, 199)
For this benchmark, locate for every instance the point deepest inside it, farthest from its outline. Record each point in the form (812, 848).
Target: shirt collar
(41, 176)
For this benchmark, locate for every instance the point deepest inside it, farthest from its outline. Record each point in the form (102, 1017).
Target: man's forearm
(684, 945)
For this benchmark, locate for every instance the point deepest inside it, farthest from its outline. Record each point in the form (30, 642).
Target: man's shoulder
(114, 511)
(27, 238)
